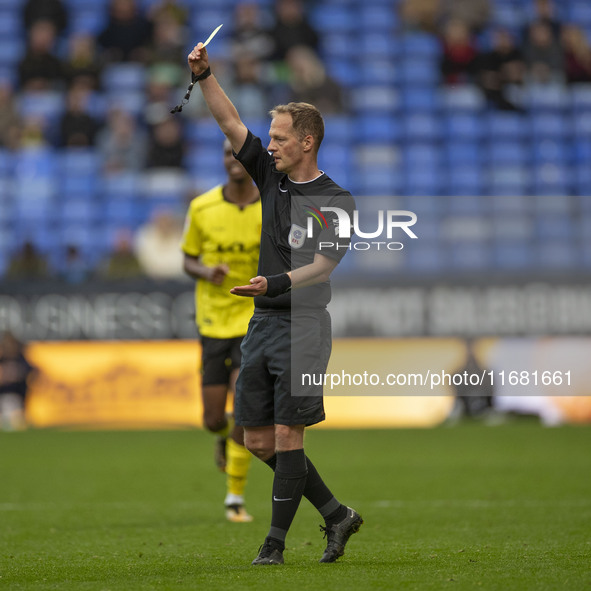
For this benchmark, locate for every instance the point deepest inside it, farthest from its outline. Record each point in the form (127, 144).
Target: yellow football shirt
(218, 232)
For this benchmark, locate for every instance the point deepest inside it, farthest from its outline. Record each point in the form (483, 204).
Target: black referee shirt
(291, 211)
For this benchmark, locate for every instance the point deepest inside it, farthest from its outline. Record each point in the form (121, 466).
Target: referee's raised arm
(220, 106)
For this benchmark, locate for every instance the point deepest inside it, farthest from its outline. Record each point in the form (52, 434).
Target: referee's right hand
(198, 60)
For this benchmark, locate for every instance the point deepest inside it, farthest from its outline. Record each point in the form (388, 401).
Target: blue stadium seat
(11, 24)
(508, 152)
(465, 180)
(375, 71)
(551, 179)
(420, 99)
(420, 181)
(421, 127)
(127, 213)
(463, 98)
(338, 128)
(518, 255)
(555, 205)
(426, 257)
(130, 76)
(507, 125)
(582, 125)
(79, 185)
(6, 162)
(376, 45)
(378, 180)
(509, 16)
(422, 155)
(337, 44)
(80, 162)
(374, 17)
(47, 105)
(583, 180)
(468, 204)
(11, 51)
(463, 126)
(580, 12)
(333, 18)
(548, 97)
(552, 150)
(549, 125)
(472, 255)
(83, 211)
(204, 132)
(554, 227)
(510, 204)
(334, 156)
(88, 19)
(581, 97)
(425, 206)
(132, 101)
(421, 45)
(557, 254)
(419, 72)
(121, 186)
(376, 128)
(375, 98)
(35, 163)
(464, 153)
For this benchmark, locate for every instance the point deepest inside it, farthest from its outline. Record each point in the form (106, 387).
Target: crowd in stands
(276, 55)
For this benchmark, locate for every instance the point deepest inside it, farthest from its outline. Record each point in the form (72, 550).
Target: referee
(286, 335)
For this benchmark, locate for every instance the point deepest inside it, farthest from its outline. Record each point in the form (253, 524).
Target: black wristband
(202, 76)
(277, 285)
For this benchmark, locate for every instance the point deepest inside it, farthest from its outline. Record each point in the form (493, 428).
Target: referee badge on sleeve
(297, 236)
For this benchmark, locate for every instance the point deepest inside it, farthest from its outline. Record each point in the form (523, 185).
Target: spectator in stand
(40, 69)
(121, 143)
(577, 54)
(543, 55)
(53, 11)
(127, 34)
(122, 264)
(157, 247)
(10, 119)
(251, 35)
(546, 13)
(420, 15)
(75, 268)
(32, 132)
(250, 93)
(499, 68)
(169, 8)
(27, 264)
(77, 127)
(82, 65)
(291, 28)
(458, 62)
(15, 374)
(474, 13)
(167, 50)
(309, 82)
(166, 145)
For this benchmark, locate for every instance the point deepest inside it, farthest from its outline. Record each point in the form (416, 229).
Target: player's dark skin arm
(219, 105)
(316, 272)
(193, 267)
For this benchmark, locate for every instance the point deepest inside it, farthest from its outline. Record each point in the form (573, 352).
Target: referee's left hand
(257, 287)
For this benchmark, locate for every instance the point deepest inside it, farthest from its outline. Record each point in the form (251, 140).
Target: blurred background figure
(249, 90)
(53, 11)
(458, 62)
(577, 55)
(75, 269)
(77, 126)
(472, 402)
(251, 32)
(499, 68)
(420, 15)
(166, 145)
(310, 83)
(122, 262)
(543, 55)
(127, 34)
(10, 119)
(291, 28)
(157, 247)
(28, 264)
(40, 68)
(82, 65)
(122, 143)
(15, 374)
(474, 13)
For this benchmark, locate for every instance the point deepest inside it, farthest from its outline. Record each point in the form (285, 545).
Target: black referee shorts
(276, 350)
(218, 358)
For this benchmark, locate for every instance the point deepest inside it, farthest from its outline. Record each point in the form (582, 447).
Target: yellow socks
(237, 465)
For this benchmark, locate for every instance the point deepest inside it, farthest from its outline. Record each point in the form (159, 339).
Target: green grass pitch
(469, 507)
